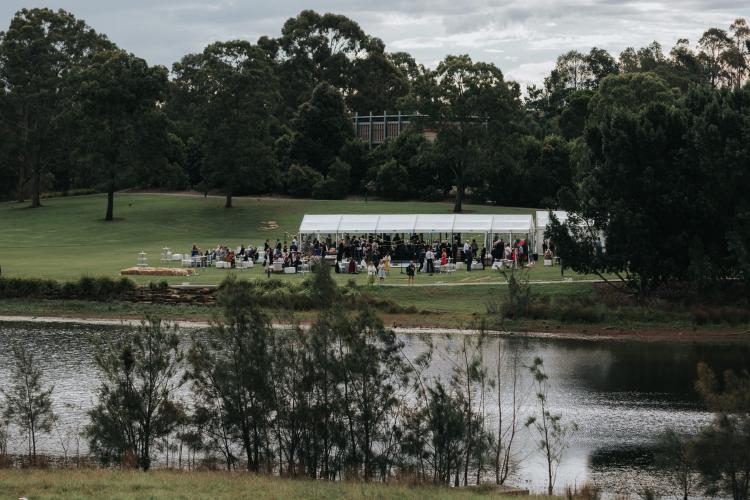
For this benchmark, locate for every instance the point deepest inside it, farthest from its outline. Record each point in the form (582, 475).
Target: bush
(703, 315)
(431, 193)
(69, 192)
(392, 181)
(86, 288)
(336, 184)
(519, 296)
(300, 180)
(17, 288)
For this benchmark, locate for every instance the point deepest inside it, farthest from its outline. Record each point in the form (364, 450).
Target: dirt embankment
(418, 325)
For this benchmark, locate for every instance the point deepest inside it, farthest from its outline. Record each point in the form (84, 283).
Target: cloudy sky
(523, 37)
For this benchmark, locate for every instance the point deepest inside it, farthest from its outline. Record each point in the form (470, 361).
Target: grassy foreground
(68, 238)
(71, 484)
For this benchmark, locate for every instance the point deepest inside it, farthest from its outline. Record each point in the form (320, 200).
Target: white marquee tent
(542, 219)
(485, 224)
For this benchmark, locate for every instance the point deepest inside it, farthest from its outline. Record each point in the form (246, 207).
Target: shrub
(392, 181)
(69, 192)
(519, 296)
(86, 288)
(16, 288)
(336, 183)
(300, 180)
(703, 315)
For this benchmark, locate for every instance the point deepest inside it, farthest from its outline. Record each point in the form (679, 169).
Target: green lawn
(73, 484)
(68, 238)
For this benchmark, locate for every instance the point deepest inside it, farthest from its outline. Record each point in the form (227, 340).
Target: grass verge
(74, 484)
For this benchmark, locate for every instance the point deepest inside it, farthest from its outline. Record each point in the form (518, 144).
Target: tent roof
(399, 223)
(472, 223)
(542, 218)
(434, 223)
(519, 224)
(319, 224)
(417, 223)
(358, 224)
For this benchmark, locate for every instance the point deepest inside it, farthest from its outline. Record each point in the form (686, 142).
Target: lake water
(621, 395)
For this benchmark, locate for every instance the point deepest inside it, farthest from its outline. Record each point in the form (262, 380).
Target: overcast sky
(523, 37)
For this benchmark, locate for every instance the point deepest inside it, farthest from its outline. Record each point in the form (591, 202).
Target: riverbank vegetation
(340, 401)
(169, 484)
(565, 310)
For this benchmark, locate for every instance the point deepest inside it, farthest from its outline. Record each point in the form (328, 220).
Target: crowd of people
(376, 254)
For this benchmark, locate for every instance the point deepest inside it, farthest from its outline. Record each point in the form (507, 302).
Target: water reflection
(621, 394)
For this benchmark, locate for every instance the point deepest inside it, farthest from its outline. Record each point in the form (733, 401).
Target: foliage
(38, 53)
(642, 140)
(320, 128)
(86, 288)
(136, 402)
(674, 456)
(518, 299)
(554, 434)
(472, 106)
(117, 94)
(228, 89)
(721, 451)
(336, 182)
(28, 404)
(301, 179)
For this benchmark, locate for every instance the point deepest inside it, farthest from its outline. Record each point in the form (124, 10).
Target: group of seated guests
(357, 252)
(224, 254)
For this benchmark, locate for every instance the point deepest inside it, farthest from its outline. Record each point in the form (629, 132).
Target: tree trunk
(458, 203)
(36, 178)
(110, 203)
(228, 203)
(20, 195)
(146, 456)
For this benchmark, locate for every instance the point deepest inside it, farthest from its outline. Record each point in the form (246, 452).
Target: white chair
(290, 270)
(304, 268)
(278, 267)
(166, 257)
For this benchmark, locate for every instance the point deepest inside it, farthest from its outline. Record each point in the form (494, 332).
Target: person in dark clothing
(410, 273)
(469, 258)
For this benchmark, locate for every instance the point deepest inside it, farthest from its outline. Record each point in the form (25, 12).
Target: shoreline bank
(589, 333)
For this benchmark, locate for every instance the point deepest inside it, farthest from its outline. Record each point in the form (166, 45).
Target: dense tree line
(664, 185)
(274, 116)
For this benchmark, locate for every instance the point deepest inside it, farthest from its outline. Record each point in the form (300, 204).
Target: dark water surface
(621, 395)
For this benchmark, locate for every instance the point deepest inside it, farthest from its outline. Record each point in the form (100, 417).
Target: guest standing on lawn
(410, 271)
(381, 272)
(371, 271)
(430, 258)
